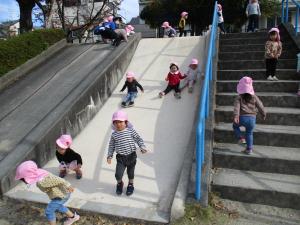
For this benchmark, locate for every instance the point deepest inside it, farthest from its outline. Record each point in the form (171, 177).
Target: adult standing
(253, 13)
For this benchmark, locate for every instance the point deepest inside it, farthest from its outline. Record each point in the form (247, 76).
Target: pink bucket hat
(219, 7)
(120, 115)
(165, 24)
(245, 86)
(64, 141)
(130, 74)
(194, 62)
(110, 18)
(130, 27)
(275, 29)
(183, 14)
(29, 171)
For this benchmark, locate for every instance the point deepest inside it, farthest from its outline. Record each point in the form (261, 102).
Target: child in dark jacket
(173, 77)
(67, 158)
(131, 84)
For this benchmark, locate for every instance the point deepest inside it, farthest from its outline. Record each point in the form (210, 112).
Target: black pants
(252, 23)
(182, 31)
(221, 26)
(271, 67)
(172, 87)
(123, 162)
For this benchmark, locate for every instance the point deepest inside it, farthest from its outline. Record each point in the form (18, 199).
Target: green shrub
(17, 50)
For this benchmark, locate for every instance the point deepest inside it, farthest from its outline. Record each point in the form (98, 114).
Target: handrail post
(286, 11)
(296, 23)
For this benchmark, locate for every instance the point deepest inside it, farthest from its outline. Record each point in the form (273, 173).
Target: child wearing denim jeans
(245, 110)
(56, 188)
(123, 141)
(131, 84)
(68, 159)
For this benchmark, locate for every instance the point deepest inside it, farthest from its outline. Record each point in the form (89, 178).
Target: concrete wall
(72, 114)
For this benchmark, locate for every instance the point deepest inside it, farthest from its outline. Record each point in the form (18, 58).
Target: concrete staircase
(271, 175)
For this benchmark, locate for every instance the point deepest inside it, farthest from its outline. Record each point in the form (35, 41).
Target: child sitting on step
(68, 159)
(57, 189)
(245, 110)
(173, 77)
(273, 50)
(131, 84)
(123, 141)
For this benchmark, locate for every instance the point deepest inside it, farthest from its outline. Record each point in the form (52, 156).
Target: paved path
(165, 125)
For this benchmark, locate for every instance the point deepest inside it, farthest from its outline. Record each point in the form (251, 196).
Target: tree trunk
(26, 7)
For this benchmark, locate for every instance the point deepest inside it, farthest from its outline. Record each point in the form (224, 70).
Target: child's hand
(108, 160)
(143, 150)
(236, 120)
(70, 189)
(166, 79)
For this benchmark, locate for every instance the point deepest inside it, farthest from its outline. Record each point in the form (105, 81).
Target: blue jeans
(56, 205)
(130, 97)
(249, 123)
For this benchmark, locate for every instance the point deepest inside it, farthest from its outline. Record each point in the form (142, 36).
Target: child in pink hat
(68, 159)
(129, 29)
(57, 189)
(131, 84)
(168, 30)
(191, 75)
(182, 24)
(173, 78)
(245, 110)
(273, 49)
(123, 141)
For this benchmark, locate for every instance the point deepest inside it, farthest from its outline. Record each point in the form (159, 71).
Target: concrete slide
(164, 124)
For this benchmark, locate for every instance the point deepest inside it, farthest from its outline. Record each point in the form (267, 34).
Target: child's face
(173, 69)
(193, 66)
(273, 36)
(119, 125)
(60, 150)
(130, 79)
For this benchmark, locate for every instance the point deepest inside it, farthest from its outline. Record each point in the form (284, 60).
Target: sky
(9, 9)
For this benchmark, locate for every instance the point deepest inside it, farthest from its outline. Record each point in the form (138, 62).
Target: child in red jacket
(174, 77)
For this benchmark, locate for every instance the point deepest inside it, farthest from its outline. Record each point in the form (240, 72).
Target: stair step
(269, 135)
(245, 35)
(255, 187)
(275, 116)
(257, 74)
(251, 47)
(264, 159)
(255, 64)
(260, 85)
(269, 99)
(253, 55)
(249, 41)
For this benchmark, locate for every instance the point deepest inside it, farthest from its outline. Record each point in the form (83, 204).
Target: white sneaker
(270, 78)
(275, 78)
(70, 221)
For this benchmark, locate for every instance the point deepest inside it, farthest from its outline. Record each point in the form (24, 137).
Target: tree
(26, 7)
(201, 11)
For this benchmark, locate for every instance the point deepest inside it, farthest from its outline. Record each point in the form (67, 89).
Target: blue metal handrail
(285, 13)
(204, 105)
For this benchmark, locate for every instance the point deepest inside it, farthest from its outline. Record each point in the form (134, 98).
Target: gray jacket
(253, 8)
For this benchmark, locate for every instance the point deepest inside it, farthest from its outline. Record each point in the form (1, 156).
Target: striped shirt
(123, 142)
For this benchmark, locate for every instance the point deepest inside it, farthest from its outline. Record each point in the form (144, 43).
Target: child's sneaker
(247, 151)
(131, 104)
(78, 174)
(130, 189)
(242, 141)
(62, 173)
(270, 78)
(190, 90)
(275, 78)
(177, 95)
(123, 104)
(161, 94)
(70, 221)
(119, 188)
